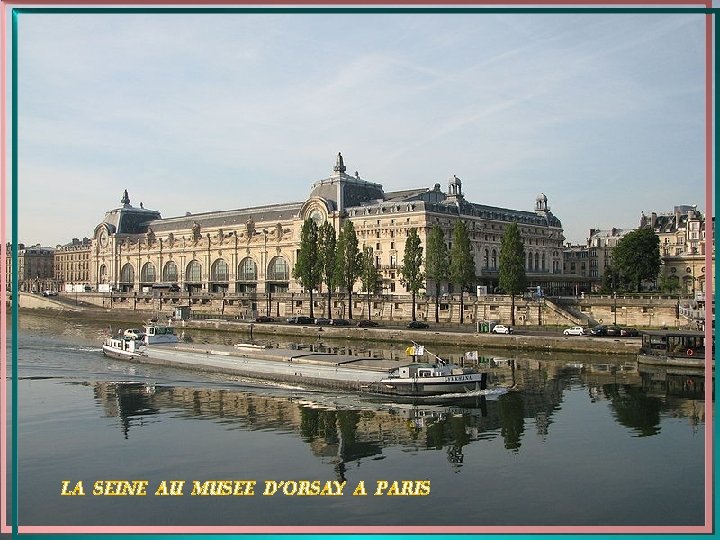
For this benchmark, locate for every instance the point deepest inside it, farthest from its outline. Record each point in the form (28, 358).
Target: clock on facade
(317, 216)
(103, 238)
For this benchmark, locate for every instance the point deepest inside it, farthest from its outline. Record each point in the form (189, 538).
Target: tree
(348, 262)
(411, 271)
(308, 267)
(369, 276)
(437, 264)
(637, 257)
(511, 275)
(462, 264)
(327, 244)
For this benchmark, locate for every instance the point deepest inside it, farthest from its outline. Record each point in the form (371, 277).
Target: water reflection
(346, 428)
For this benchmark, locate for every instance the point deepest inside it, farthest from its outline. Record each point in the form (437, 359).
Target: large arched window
(219, 276)
(219, 271)
(278, 270)
(103, 274)
(193, 272)
(486, 259)
(246, 276)
(494, 259)
(147, 273)
(247, 270)
(170, 272)
(543, 262)
(127, 277)
(537, 262)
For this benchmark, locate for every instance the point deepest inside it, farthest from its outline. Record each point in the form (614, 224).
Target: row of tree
(338, 262)
(335, 261)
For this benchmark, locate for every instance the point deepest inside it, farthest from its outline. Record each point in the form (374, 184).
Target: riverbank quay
(450, 335)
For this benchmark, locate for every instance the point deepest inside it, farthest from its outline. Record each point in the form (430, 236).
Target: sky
(604, 114)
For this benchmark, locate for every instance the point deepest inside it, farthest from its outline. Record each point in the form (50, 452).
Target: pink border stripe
(344, 529)
(709, 462)
(3, 280)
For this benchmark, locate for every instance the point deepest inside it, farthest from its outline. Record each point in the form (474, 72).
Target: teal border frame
(15, 12)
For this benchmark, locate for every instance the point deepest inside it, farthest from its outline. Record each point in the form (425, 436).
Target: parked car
(300, 319)
(574, 331)
(629, 332)
(612, 331)
(321, 321)
(339, 322)
(418, 324)
(501, 329)
(599, 330)
(264, 318)
(49, 293)
(365, 323)
(174, 288)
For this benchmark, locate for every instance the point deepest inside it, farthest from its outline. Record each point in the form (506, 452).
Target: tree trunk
(437, 302)
(312, 315)
(413, 305)
(329, 303)
(512, 309)
(350, 302)
(462, 310)
(368, 302)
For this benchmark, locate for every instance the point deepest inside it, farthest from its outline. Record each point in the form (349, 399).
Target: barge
(364, 374)
(682, 348)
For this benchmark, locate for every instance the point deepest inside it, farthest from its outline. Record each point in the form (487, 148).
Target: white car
(133, 333)
(574, 331)
(502, 329)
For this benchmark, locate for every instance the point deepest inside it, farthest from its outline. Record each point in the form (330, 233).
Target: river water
(577, 441)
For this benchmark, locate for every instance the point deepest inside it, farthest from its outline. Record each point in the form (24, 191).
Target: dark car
(418, 324)
(321, 321)
(612, 331)
(629, 332)
(340, 322)
(599, 330)
(174, 288)
(300, 319)
(264, 318)
(367, 324)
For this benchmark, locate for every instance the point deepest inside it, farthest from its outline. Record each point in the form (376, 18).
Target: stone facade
(253, 250)
(682, 247)
(72, 263)
(35, 267)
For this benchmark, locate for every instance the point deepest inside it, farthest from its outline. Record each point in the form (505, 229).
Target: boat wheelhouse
(672, 348)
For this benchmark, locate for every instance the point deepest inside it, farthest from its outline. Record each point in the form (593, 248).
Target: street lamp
(614, 308)
(268, 291)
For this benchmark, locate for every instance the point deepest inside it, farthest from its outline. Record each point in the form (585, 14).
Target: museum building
(253, 250)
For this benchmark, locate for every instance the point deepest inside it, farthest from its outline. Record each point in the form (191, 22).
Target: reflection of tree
(634, 409)
(511, 411)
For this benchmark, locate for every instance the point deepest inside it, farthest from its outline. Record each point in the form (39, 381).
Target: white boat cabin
(424, 371)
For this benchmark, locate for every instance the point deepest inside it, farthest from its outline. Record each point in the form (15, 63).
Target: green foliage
(462, 264)
(511, 275)
(348, 263)
(669, 284)
(308, 268)
(369, 276)
(327, 245)
(411, 269)
(637, 257)
(437, 262)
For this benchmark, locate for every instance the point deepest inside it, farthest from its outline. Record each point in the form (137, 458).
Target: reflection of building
(254, 249)
(35, 267)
